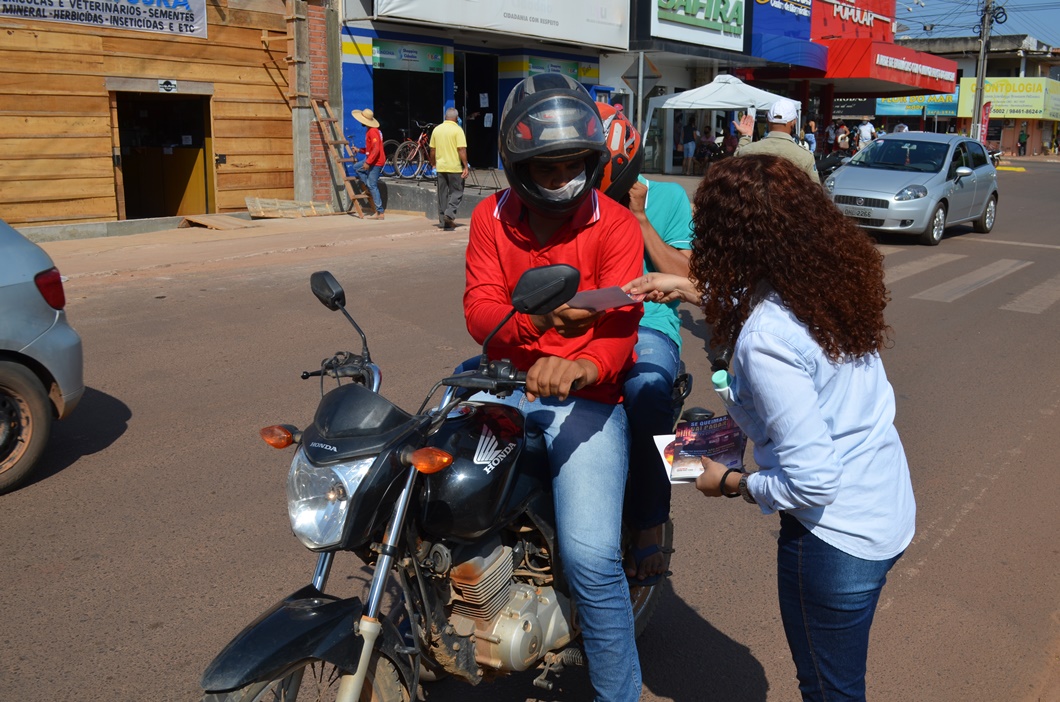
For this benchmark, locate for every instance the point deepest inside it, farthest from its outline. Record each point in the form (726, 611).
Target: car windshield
(902, 155)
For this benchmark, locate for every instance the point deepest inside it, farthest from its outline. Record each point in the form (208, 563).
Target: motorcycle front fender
(307, 624)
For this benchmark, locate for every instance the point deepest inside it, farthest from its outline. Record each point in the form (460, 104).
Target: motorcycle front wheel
(315, 681)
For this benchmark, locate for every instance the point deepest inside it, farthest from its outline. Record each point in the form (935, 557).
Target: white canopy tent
(725, 92)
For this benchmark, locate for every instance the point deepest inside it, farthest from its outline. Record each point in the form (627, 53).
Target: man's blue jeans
(827, 601)
(648, 400)
(370, 178)
(587, 448)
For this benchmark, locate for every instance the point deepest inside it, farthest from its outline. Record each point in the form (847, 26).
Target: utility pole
(980, 69)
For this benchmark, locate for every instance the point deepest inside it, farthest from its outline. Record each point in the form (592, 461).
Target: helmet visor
(558, 127)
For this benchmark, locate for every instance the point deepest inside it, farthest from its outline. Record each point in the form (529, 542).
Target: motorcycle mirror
(541, 290)
(327, 290)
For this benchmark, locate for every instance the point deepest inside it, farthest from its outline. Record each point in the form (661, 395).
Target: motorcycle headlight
(318, 498)
(829, 185)
(913, 192)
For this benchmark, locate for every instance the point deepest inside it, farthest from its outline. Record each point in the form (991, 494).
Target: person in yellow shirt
(449, 157)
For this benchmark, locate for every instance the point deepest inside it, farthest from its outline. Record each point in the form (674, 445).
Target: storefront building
(408, 60)
(1022, 96)
(862, 60)
(125, 109)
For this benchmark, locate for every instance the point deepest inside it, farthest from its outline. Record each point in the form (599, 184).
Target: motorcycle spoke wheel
(318, 681)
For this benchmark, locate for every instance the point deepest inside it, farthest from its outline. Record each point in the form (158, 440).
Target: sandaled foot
(647, 560)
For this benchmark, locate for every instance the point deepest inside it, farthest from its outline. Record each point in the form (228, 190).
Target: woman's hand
(662, 287)
(709, 481)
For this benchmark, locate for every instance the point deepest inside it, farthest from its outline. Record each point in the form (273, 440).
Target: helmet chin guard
(550, 117)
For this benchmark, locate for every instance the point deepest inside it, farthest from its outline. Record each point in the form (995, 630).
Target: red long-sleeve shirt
(373, 147)
(602, 240)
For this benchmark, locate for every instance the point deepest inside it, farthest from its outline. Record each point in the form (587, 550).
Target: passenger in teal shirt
(665, 217)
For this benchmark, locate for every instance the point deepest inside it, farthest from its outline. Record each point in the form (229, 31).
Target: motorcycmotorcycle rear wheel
(319, 682)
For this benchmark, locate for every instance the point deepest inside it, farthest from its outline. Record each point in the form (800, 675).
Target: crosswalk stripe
(888, 250)
(962, 285)
(1037, 299)
(905, 270)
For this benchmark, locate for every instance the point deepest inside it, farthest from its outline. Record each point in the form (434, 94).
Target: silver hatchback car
(917, 183)
(41, 365)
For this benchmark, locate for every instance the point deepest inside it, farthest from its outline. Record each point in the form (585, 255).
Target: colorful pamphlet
(717, 438)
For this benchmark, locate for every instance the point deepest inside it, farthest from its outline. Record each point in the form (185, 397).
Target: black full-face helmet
(550, 117)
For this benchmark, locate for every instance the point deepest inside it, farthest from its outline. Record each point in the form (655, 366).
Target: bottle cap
(720, 379)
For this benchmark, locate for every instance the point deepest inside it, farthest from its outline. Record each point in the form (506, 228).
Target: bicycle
(412, 158)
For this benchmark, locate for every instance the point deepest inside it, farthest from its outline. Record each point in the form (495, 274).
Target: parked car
(41, 366)
(917, 183)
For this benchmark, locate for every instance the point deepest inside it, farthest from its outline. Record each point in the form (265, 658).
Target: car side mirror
(541, 290)
(964, 171)
(327, 290)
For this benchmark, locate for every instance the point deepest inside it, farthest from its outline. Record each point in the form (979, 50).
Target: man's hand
(567, 321)
(638, 195)
(552, 376)
(746, 125)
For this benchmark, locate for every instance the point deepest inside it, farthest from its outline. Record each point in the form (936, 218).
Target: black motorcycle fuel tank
(492, 476)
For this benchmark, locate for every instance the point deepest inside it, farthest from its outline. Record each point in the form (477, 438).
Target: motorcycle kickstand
(555, 663)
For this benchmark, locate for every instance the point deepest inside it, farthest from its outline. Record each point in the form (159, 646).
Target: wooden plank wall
(55, 119)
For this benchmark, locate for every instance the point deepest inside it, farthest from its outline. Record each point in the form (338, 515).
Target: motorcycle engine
(513, 623)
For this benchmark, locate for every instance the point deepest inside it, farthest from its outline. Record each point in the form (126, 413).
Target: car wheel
(936, 226)
(985, 223)
(25, 422)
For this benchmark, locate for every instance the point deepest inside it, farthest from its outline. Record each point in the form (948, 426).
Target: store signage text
(847, 11)
(724, 16)
(914, 67)
(795, 7)
(179, 17)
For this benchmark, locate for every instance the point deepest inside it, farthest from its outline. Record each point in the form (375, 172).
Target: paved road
(156, 528)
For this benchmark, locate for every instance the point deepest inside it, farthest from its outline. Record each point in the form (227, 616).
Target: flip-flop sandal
(639, 555)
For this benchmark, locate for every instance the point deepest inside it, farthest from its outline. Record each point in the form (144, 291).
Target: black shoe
(450, 223)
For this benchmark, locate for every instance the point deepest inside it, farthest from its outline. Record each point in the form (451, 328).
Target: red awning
(876, 67)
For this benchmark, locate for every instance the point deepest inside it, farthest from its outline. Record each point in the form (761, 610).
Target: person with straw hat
(369, 168)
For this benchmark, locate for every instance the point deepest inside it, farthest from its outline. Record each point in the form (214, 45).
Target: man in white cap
(783, 115)
(369, 168)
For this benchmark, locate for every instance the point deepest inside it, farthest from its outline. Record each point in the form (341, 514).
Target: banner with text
(177, 17)
(1013, 98)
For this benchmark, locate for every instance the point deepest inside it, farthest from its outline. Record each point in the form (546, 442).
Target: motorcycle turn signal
(280, 436)
(428, 460)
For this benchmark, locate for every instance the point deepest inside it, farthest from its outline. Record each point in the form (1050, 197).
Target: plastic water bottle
(722, 380)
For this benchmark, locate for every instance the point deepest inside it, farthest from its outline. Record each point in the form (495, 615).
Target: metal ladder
(333, 137)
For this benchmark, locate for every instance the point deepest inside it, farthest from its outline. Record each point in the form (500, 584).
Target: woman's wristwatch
(741, 489)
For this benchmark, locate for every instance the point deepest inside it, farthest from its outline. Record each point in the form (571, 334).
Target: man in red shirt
(553, 148)
(369, 168)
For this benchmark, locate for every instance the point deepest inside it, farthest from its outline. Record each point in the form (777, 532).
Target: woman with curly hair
(797, 291)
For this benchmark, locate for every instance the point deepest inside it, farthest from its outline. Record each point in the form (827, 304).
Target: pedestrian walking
(811, 136)
(448, 154)
(783, 115)
(370, 167)
(1022, 139)
(866, 133)
(808, 387)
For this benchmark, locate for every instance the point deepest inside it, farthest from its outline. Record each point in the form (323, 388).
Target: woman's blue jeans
(588, 452)
(827, 601)
(648, 393)
(370, 178)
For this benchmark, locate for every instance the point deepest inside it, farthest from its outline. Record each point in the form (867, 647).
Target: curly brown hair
(759, 220)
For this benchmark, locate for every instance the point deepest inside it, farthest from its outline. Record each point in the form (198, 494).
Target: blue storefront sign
(780, 32)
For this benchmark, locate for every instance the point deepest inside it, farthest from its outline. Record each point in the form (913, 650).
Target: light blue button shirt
(824, 436)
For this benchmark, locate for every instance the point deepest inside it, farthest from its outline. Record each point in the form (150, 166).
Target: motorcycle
(827, 165)
(448, 502)
(995, 157)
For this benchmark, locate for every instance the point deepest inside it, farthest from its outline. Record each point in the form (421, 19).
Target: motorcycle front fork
(350, 685)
